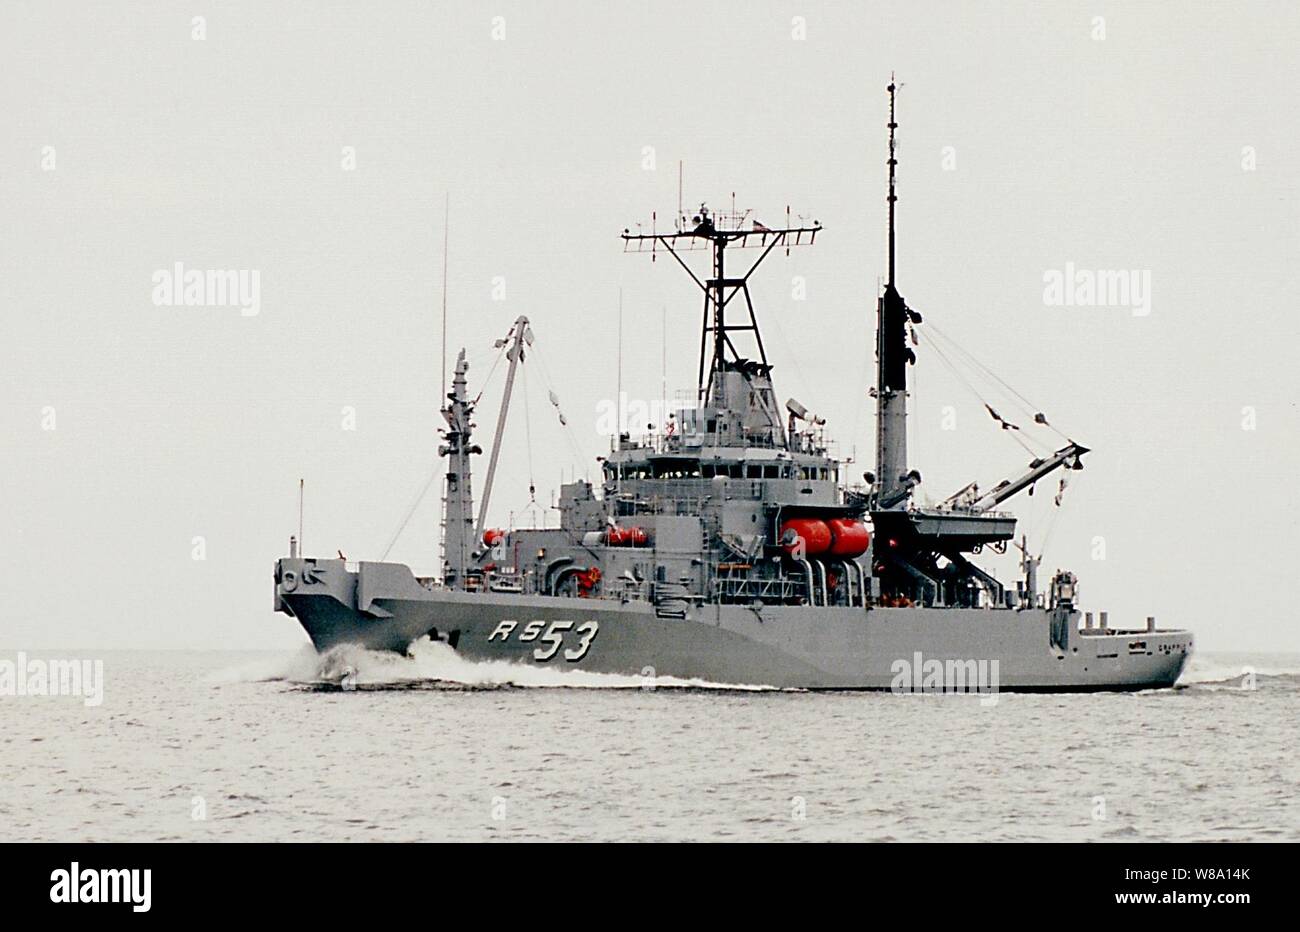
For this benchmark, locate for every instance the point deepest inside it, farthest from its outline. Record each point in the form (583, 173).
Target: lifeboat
(813, 532)
(849, 538)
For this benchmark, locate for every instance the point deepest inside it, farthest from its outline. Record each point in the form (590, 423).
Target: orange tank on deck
(813, 532)
(849, 538)
(616, 536)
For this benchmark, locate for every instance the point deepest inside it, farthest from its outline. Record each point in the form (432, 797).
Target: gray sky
(1127, 152)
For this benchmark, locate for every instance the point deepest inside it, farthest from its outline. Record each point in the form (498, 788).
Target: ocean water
(252, 747)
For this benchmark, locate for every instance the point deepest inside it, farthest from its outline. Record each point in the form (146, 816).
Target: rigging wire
(528, 439)
(570, 435)
(913, 432)
(1013, 398)
(411, 511)
(788, 349)
(943, 357)
(436, 470)
(1034, 439)
(1025, 404)
(501, 354)
(1051, 522)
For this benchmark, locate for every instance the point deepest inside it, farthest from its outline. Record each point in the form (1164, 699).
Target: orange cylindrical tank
(849, 538)
(493, 536)
(616, 536)
(813, 532)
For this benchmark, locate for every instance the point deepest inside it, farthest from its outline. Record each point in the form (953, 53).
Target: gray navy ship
(728, 547)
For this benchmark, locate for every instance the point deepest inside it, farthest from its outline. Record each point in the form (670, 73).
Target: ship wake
(1241, 671)
(435, 665)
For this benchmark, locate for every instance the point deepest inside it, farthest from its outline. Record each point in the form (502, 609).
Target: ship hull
(382, 606)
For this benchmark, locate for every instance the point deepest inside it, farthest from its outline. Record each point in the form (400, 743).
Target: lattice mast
(718, 233)
(458, 495)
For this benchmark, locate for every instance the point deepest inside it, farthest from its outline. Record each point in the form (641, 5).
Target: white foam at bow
(433, 661)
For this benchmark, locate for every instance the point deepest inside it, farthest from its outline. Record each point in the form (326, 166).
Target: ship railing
(658, 442)
(685, 441)
(768, 588)
(626, 590)
(703, 489)
(504, 579)
(687, 505)
(812, 442)
(963, 510)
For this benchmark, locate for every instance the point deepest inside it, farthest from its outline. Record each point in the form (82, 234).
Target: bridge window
(677, 469)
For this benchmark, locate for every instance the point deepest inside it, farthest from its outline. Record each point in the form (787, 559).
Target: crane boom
(520, 334)
(1068, 456)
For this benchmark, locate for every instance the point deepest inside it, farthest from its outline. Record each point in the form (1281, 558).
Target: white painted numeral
(553, 637)
(587, 632)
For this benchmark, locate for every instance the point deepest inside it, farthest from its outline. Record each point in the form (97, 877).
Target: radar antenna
(718, 232)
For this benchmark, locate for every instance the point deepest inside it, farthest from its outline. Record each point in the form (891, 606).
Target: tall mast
(892, 359)
(893, 125)
(716, 381)
(458, 498)
(716, 232)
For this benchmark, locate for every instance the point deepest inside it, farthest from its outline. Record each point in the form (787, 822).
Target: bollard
(1087, 621)
(1151, 622)
(293, 548)
(1105, 620)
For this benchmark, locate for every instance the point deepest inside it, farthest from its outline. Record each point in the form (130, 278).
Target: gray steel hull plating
(382, 606)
